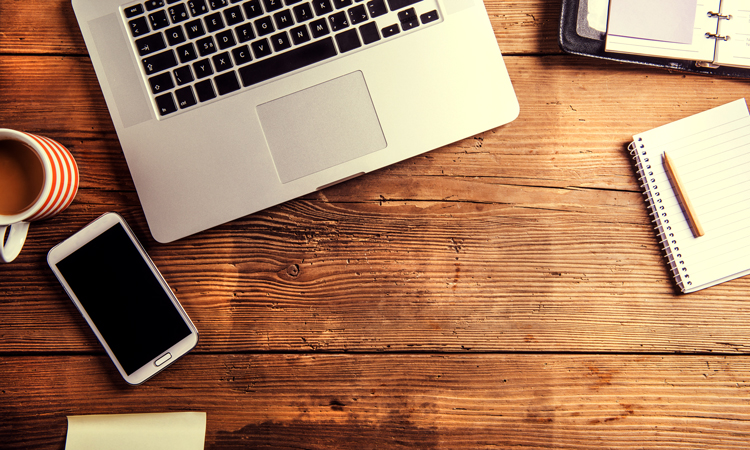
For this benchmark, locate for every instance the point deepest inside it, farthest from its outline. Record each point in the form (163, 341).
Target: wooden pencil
(679, 189)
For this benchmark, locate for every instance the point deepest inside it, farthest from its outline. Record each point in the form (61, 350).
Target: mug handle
(11, 247)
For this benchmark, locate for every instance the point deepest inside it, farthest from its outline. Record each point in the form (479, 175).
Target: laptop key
(203, 68)
(165, 104)
(226, 83)
(322, 7)
(205, 90)
(294, 59)
(187, 52)
(319, 27)
(398, 4)
(233, 15)
(252, 9)
(214, 22)
(132, 11)
(283, 19)
(183, 75)
(195, 29)
(160, 83)
(245, 32)
(216, 4)
(303, 12)
(410, 24)
(342, 3)
(150, 44)
(407, 15)
(272, 5)
(197, 7)
(222, 62)
(158, 62)
(175, 35)
(300, 35)
(348, 40)
(261, 48)
(138, 26)
(369, 32)
(158, 20)
(185, 97)
(154, 4)
(338, 21)
(390, 30)
(241, 55)
(281, 41)
(225, 39)
(357, 15)
(429, 17)
(178, 13)
(264, 26)
(376, 8)
(206, 45)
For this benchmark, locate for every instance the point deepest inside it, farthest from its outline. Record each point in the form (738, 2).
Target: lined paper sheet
(711, 151)
(735, 51)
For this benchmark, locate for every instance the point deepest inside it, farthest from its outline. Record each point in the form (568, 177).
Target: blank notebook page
(711, 152)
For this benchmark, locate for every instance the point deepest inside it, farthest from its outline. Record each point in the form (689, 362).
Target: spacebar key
(300, 57)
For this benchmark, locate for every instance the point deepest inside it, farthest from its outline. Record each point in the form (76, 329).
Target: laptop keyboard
(198, 51)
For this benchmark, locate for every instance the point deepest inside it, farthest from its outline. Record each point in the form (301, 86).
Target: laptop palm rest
(321, 126)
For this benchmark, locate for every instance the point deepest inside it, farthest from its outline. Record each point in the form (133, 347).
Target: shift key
(158, 62)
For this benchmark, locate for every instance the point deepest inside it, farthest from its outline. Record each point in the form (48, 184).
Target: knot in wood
(293, 270)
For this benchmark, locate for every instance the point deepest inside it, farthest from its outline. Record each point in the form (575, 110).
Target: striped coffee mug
(38, 179)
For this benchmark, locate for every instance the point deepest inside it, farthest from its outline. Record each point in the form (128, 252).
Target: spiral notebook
(711, 151)
(718, 34)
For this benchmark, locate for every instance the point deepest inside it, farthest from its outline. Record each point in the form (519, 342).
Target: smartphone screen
(124, 299)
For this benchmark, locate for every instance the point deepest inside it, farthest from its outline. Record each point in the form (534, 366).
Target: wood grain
(517, 238)
(400, 401)
(504, 291)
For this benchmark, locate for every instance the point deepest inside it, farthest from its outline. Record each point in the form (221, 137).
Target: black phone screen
(124, 299)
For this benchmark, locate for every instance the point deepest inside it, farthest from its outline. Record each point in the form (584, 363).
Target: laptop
(227, 107)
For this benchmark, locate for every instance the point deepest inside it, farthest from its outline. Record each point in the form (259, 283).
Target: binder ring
(717, 37)
(719, 16)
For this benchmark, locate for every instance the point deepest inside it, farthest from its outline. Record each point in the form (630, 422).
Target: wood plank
(50, 27)
(400, 401)
(545, 273)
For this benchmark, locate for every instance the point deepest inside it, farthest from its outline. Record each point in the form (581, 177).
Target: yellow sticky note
(157, 431)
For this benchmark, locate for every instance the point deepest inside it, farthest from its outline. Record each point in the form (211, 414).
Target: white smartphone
(123, 297)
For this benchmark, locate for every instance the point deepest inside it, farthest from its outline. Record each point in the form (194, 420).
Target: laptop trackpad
(321, 126)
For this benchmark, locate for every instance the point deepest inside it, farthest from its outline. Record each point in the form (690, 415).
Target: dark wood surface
(505, 291)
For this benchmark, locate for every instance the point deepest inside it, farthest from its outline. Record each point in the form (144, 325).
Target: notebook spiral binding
(660, 217)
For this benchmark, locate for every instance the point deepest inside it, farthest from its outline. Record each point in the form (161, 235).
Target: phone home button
(163, 359)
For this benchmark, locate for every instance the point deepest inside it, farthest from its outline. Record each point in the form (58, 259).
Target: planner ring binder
(667, 239)
(584, 32)
(717, 37)
(719, 16)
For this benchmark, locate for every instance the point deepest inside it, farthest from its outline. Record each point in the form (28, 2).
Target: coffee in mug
(38, 179)
(21, 177)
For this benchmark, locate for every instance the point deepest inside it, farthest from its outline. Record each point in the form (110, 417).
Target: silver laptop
(227, 107)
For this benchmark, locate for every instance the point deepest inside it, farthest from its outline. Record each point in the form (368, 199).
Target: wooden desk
(506, 291)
